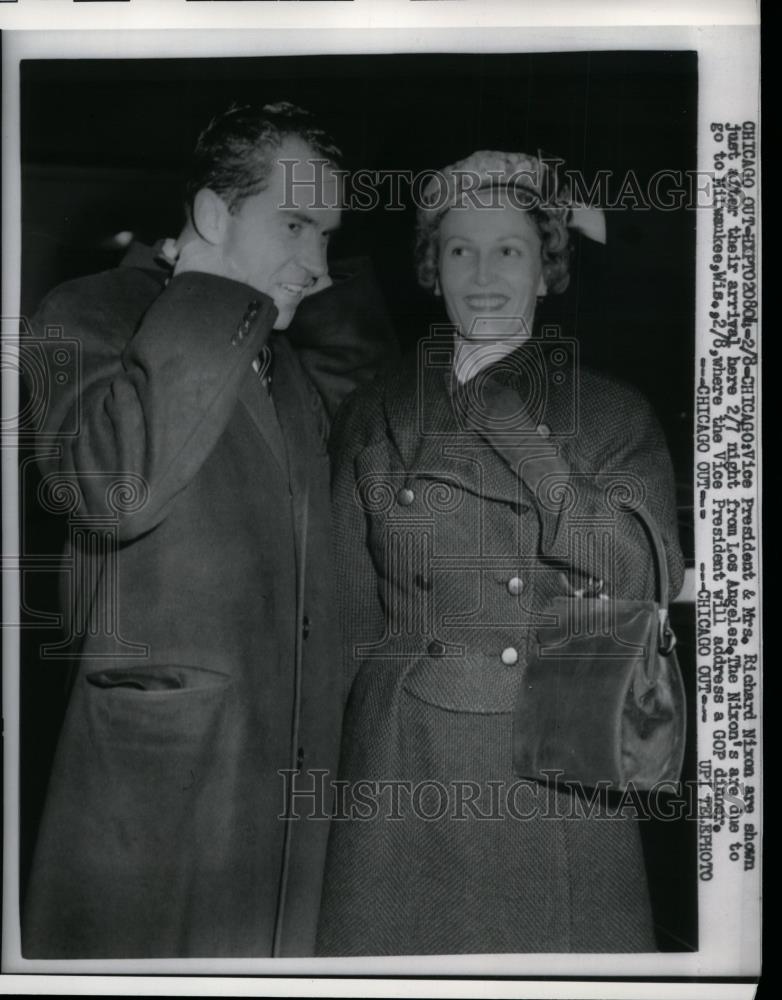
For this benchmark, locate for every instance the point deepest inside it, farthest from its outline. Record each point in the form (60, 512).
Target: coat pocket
(167, 678)
(154, 705)
(136, 839)
(474, 684)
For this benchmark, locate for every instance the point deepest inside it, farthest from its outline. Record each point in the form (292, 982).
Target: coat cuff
(208, 314)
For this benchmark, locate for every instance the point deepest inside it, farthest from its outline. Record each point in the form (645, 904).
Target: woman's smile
(487, 302)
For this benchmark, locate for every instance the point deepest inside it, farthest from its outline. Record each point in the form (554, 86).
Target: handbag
(602, 699)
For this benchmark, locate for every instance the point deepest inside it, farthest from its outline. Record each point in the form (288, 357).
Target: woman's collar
(472, 357)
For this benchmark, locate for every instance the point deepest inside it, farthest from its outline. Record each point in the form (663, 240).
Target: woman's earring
(437, 290)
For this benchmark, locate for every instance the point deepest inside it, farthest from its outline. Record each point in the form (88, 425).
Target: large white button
(510, 656)
(544, 431)
(515, 585)
(405, 497)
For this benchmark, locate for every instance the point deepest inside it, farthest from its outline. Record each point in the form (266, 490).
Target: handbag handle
(665, 634)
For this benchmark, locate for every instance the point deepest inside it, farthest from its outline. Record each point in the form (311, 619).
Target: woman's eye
(510, 252)
(458, 251)
(295, 227)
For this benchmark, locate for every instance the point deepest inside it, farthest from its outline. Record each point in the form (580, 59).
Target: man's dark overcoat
(460, 514)
(199, 565)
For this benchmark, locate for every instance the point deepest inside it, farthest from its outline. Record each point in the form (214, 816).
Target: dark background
(104, 145)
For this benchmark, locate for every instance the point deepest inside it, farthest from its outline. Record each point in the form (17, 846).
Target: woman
(453, 538)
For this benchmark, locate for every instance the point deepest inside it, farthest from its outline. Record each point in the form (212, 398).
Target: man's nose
(313, 257)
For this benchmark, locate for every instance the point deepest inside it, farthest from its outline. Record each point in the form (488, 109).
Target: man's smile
(293, 290)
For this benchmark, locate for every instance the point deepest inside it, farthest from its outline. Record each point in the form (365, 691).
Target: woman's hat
(534, 180)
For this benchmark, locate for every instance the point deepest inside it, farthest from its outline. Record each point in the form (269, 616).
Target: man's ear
(210, 216)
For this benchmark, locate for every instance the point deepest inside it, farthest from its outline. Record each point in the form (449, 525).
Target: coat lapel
(440, 429)
(261, 410)
(294, 410)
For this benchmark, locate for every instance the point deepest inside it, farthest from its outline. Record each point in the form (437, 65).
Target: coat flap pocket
(155, 705)
(168, 677)
(475, 684)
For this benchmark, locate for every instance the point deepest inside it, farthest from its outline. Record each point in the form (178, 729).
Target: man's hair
(232, 155)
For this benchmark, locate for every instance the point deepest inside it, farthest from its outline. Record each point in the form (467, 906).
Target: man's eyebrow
(308, 220)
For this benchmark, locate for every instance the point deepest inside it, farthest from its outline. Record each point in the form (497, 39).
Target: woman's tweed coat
(441, 508)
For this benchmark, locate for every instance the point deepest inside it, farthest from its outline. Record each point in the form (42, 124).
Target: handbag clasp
(666, 637)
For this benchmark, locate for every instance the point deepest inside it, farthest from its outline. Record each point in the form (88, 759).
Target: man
(197, 484)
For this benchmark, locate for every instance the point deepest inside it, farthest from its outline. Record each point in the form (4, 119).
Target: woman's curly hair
(549, 209)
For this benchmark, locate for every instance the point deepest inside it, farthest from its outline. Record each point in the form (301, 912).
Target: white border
(375, 14)
(719, 50)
